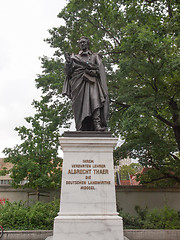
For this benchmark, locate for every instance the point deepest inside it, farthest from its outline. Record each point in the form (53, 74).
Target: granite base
(88, 228)
(88, 202)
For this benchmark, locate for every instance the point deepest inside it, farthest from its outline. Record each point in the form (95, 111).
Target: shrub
(130, 222)
(142, 212)
(41, 216)
(13, 215)
(164, 218)
(19, 216)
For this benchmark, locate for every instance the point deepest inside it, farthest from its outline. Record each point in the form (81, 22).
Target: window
(5, 182)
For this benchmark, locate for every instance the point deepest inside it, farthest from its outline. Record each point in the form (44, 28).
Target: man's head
(84, 43)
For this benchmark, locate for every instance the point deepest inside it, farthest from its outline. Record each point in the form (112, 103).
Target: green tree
(127, 170)
(139, 42)
(36, 159)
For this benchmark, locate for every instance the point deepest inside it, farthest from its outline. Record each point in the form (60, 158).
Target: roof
(7, 165)
(4, 164)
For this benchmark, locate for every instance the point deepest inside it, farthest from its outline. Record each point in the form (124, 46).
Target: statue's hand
(68, 57)
(92, 73)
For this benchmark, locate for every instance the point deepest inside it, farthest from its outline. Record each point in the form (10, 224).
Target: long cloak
(86, 96)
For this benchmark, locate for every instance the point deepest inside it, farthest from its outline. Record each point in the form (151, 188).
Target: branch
(161, 65)
(142, 96)
(172, 177)
(151, 1)
(114, 52)
(112, 35)
(121, 104)
(155, 179)
(150, 60)
(168, 5)
(175, 118)
(138, 73)
(141, 76)
(175, 157)
(175, 110)
(169, 8)
(164, 120)
(154, 86)
(166, 174)
(100, 25)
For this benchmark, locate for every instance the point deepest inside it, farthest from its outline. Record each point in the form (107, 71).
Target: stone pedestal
(88, 203)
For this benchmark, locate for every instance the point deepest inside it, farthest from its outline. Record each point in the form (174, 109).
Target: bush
(13, 215)
(164, 218)
(19, 216)
(131, 222)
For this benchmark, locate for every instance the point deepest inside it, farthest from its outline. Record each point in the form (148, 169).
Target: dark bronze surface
(87, 134)
(86, 86)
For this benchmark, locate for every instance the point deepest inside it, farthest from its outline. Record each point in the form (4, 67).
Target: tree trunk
(176, 130)
(176, 120)
(37, 195)
(169, 9)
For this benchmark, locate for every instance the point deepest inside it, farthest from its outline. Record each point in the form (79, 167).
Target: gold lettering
(75, 182)
(79, 171)
(99, 182)
(101, 171)
(87, 187)
(99, 166)
(81, 166)
(87, 177)
(88, 161)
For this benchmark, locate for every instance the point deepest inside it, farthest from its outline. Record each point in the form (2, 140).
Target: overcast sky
(24, 25)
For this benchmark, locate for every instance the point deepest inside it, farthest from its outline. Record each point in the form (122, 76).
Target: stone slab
(49, 238)
(131, 234)
(88, 228)
(152, 234)
(88, 176)
(87, 134)
(88, 202)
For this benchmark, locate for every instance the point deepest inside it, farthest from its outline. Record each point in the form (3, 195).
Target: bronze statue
(86, 86)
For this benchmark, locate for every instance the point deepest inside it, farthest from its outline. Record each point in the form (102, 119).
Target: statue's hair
(83, 37)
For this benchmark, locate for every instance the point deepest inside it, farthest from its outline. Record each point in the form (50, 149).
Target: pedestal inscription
(88, 204)
(89, 171)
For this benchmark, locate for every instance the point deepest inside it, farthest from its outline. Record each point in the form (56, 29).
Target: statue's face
(84, 44)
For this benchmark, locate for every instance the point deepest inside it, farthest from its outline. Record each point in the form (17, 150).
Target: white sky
(24, 25)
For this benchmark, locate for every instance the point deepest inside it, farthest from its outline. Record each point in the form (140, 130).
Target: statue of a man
(86, 85)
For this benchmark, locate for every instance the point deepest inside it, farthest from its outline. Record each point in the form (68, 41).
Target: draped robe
(86, 85)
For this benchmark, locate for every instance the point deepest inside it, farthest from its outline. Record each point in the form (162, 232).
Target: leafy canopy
(127, 170)
(36, 159)
(139, 42)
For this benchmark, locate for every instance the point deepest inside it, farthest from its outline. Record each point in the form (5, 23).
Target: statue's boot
(97, 121)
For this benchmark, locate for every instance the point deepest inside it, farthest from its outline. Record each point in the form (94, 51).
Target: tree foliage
(36, 159)
(127, 170)
(139, 42)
